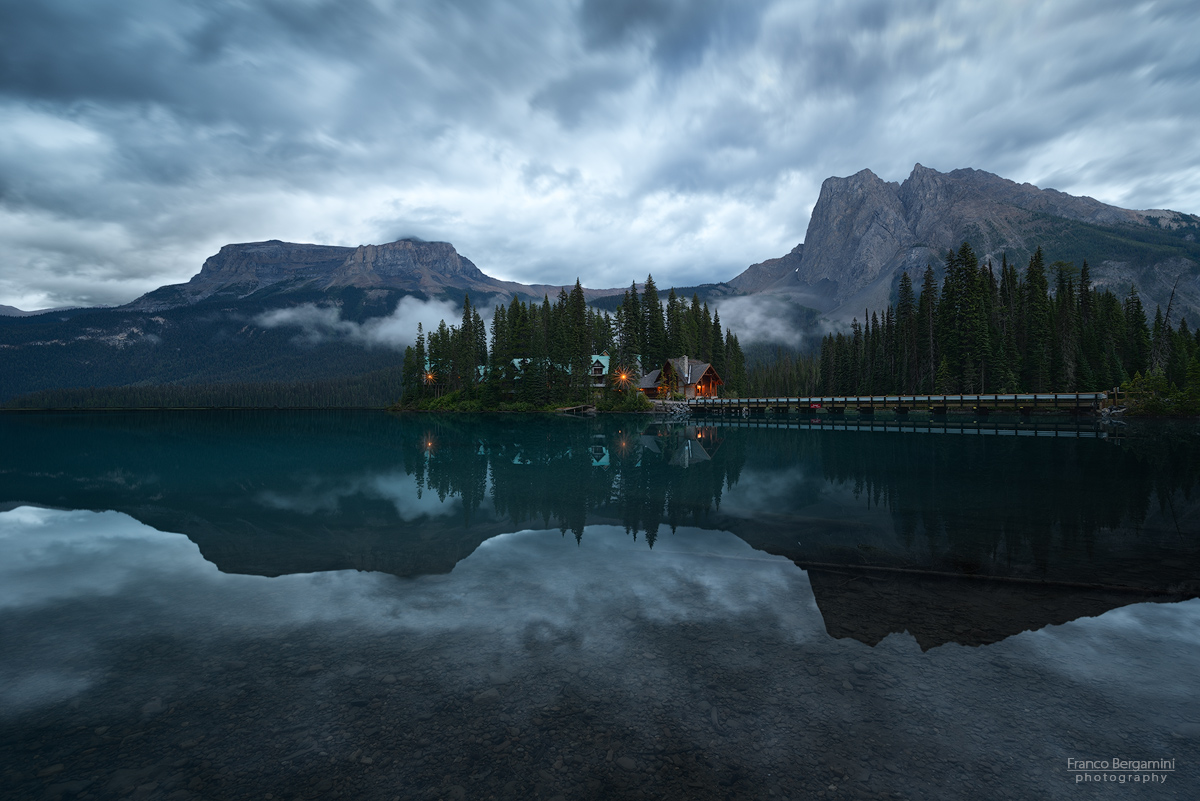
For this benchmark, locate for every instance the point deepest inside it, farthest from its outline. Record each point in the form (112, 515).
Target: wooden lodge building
(689, 377)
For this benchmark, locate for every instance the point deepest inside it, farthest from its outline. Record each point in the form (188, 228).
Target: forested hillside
(218, 340)
(1000, 330)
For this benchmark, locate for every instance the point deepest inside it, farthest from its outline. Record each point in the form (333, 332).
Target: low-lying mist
(770, 320)
(397, 330)
(755, 319)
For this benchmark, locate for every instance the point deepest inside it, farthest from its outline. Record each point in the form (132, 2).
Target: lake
(212, 605)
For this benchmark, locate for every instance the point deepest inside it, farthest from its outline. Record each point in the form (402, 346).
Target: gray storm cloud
(687, 138)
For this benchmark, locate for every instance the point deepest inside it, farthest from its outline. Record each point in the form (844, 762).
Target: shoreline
(566, 411)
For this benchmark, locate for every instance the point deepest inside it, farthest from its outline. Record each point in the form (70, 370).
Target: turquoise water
(358, 605)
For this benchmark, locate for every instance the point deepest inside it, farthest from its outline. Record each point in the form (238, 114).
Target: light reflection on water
(517, 662)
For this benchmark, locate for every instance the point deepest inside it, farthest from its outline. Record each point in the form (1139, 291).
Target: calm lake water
(357, 605)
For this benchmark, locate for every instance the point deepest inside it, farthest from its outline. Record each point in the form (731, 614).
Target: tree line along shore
(981, 329)
(1043, 330)
(540, 356)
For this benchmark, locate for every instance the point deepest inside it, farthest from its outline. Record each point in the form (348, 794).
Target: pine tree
(1090, 354)
(843, 367)
(1159, 337)
(578, 337)
(691, 328)
(704, 334)
(906, 336)
(1066, 330)
(718, 348)
(828, 361)
(735, 365)
(855, 358)
(654, 326)
(927, 350)
(1035, 374)
(630, 325)
(1136, 350)
(1111, 327)
(414, 375)
(674, 326)
(951, 325)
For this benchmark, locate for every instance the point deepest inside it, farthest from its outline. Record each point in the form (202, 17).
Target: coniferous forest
(1040, 330)
(540, 355)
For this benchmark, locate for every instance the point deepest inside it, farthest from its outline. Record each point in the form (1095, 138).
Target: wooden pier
(1017, 403)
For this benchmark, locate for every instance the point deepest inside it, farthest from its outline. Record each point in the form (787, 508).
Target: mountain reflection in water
(560, 608)
(952, 538)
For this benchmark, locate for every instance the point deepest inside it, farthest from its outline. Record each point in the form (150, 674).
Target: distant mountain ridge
(433, 269)
(13, 311)
(217, 328)
(865, 231)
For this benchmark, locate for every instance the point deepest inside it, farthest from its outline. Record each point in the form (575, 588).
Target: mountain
(864, 232)
(412, 266)
(213, 329)
(760, 277)
(217, 327)
(13, 311)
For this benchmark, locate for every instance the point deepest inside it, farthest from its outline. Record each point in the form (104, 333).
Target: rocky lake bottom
(700, 670)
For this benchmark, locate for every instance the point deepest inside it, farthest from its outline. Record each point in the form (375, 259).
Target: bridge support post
(837, 410)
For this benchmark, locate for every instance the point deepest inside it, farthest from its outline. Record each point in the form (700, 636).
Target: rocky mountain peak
(258, 264)
(428, 265)
(856, 226)
(408, 264)
(865, 231)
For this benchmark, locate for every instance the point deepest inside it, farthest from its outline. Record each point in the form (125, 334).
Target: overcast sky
(549, 140)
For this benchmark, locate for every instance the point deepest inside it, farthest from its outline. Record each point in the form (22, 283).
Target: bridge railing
(984, 399)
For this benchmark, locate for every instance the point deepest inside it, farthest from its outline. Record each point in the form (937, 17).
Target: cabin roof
(695, 370)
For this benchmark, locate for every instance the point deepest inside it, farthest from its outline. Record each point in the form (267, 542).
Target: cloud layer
(549, 140)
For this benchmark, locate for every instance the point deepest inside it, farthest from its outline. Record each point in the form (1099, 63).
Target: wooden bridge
(1043, 427)
(1019, 403)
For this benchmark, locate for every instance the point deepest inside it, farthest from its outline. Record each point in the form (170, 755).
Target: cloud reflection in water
(134, 580)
